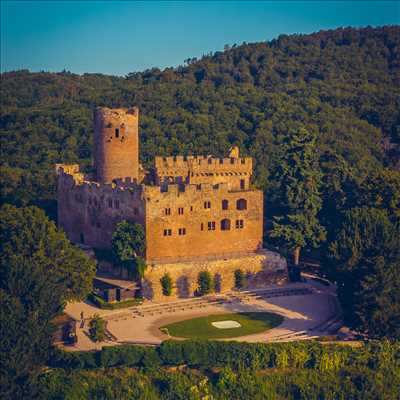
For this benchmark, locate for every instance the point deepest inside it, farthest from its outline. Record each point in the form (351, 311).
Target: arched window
(225, 204)
(241, 204)
(225, 225)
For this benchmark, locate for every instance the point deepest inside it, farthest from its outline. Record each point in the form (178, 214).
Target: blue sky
(118, 37)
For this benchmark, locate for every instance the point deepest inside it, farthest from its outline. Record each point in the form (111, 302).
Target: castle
(195, 210)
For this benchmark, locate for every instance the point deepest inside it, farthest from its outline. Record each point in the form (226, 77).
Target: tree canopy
(31, 244)
(39, 271)
(298, 178)
(128, 246)
(364, 260)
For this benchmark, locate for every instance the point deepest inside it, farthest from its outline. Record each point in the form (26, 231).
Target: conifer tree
(299, 178)
(364, 260)
(166, 284)
(205, 283)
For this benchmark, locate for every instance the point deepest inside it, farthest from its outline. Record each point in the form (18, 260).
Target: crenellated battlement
(71, 178)
(203, 163)
(132, 112)
(234, 170)
(70, 169)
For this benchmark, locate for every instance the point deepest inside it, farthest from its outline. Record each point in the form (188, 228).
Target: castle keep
(194, 209)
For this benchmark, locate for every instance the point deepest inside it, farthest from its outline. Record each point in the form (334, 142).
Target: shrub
(226, 379)
(240, 279)
(126, 355)
(217, 283)
(104, 305)
(205, 283)
(97, 328)
(73, 360)
(166, 284)
(237, 356)
(170, 353)
(150, 359)
(196, 353)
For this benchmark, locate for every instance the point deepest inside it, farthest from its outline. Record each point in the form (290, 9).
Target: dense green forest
(194, 370)
(342, 84)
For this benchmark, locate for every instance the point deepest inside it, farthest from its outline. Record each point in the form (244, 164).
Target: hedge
(108, 356)
(209, 354)
(99, 302)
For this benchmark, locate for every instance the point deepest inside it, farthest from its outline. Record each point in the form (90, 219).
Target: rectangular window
(207, 204)
(135, 211)
(191, 208)
(242, 183)
(110, 203)
(211, 225)
(182, 231)
(167, 211)
(117, 204)
(239, 224)
(167, 232)
(180, 210)
(202, 227)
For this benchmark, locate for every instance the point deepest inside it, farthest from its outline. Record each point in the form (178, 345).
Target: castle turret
(234, 152)
(116, 143)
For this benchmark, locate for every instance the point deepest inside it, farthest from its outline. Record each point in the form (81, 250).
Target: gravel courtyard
(307, 315)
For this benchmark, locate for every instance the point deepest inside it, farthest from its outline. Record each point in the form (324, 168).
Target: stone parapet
(203, 162)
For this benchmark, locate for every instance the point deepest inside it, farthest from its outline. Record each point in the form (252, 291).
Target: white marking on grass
(226, 324)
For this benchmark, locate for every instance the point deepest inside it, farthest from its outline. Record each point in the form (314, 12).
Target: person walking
(82, 320)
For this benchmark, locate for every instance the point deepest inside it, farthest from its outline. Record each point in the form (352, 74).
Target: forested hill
(344, 84)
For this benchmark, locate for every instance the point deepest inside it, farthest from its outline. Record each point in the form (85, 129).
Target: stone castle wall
(202, 220)
(89, 212)
(266, 266)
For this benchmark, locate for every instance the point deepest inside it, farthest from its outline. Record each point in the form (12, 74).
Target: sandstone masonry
(199, 212)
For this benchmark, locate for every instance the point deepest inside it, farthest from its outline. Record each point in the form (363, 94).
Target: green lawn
(201, 328)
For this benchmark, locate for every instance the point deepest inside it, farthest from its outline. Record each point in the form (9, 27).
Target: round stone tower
(116, 143)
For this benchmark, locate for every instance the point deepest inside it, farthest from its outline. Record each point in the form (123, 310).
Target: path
(309, 310)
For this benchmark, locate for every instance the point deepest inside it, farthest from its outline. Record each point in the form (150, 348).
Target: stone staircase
(327, 326)
(202, 302)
